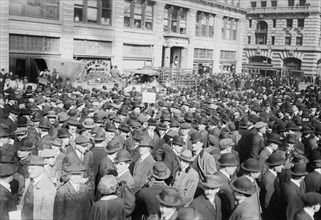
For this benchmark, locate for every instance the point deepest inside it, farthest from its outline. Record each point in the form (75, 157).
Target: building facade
(284, 34)
(38, 34)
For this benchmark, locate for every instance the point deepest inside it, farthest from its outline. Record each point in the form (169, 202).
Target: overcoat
(204, 206)
(7, 203)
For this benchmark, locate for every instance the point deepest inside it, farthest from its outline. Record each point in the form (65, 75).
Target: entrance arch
(292, 63)
(259, 59)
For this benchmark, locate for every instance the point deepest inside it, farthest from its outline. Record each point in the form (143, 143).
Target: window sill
(36, 20)
(91, 25)
(176, 35)
(138, 31)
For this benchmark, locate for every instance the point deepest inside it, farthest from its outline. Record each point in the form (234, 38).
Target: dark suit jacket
(267, 194)
(244, 145)
(141, 172)
(313, 182)
(171, 160)
(291, 199)
(7, 203)
(247, 210)
(302, 215)
(205, 207)
(204, 164)
(72, 205)
(226, 196)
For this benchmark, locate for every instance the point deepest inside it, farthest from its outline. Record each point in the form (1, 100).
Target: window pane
(127, 14)
(92, 3)
(287, 40)
(107, 4)
(52, 9)
(33, 8)
(203, 33)
(106, 16)
(92, 14)
(78, 13)
(183, 24)
(138, 16)
(209, 54)
(165, 21)
(16, 7)
(196, 53)
(149, 17)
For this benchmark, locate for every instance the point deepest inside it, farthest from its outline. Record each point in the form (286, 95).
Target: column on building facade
(191, 22)
(118, 23)
(217, 38)
(4, 35)
(239, 53)
(167, 56)
(67, 35)
(158, 29)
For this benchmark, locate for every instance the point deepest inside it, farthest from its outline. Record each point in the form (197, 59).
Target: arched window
(288, 39)
(292, 63)
(261, 33)
(299, 40)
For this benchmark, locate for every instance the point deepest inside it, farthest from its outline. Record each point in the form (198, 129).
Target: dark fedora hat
(145, 142)
(14, 109)
(275, 159)
(189, 117)
(113, 146)
(292, 127)
(188, 214)
(178, 140)
(290, 138)
(306, 130)
(170, 197)
(124, 128)
(44, 123)
(4, 132)
(152, 122)
(22, 121)
(162, 127)
(63, 133)
(196, 136)
(36, 116)
(251, 165)
(110, 127)
(36, 161)
(203, 121)
(187, 155)
(73, 121)
(274, 138)
(299, 169)
(316, 163)
(227, 160)
(100, 135)
(122, 156)
(136, 135)
(8, 169)
(160, 171)
(212, 181)
(243, 185)
(76, 168)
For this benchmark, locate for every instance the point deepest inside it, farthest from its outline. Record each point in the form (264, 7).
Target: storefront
(203, 60)
(137, 56)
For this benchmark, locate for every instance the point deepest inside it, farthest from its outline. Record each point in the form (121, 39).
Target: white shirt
(273, 172)
(122, 173)
(269, 150)
(144, 156)
(76, 186)
(296, 182)
(80, 155)
(168, 216)
(309, 212)
(5, 185)
(225, 174)
(37, 179)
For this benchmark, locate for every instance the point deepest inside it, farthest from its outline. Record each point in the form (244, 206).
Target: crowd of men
(216, 152)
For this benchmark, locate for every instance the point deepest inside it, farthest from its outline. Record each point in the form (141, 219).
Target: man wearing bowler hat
(273, 143)
(122, 162)
(107, 166)
(74, 199)
(204, 163)
(45, 138)
(312, 203)
(7, 201)
(292, 192)
(209, 204)
(169, 200)
(150, 132)
(52, 169)
(246, 206)
(39, 195)
(270, 187)
(146, 202)
(228, 165)
(142, 165)
(186, 179)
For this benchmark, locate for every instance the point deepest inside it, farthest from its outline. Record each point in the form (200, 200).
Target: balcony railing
(279, 10)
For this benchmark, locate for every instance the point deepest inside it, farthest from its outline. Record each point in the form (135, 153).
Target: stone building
(40, 34)
(283, 35)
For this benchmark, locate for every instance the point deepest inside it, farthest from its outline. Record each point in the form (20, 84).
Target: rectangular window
(272, 40)
(78, 10)
(274, 3)
(176, 18)
(227, 55)
(274, 23)
(48, 9)
(289, 23)
(38, 44)
(290, 2)
(229, 28)
(248, 39)
(130, 50)
(211, 26)
(204, 24)
(301, 23)
(253, 4)
(203, 54)
(234, 29)
(299, 41)
(250, 23)
(139, 14)
(91, 47)
(287, 40)
(106, 10)
(92, 11)
(263, 4)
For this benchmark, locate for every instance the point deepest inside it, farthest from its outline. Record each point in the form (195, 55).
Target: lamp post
(266, 61)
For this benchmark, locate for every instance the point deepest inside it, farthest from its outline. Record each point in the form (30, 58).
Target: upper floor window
(274, 23)
(250, 23)
(139, 14)
(261, 33)
(253, 4)
(204, 24)
(274, 3)
(48, 9)
(263, 4)
(301, 23)
(93, 11)
(229, 28)
(290, 2)
(175, 19)
(248, 39)
(299, 40)
(302, 2)
(272, 40)
(289, 23)
(288, 39)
